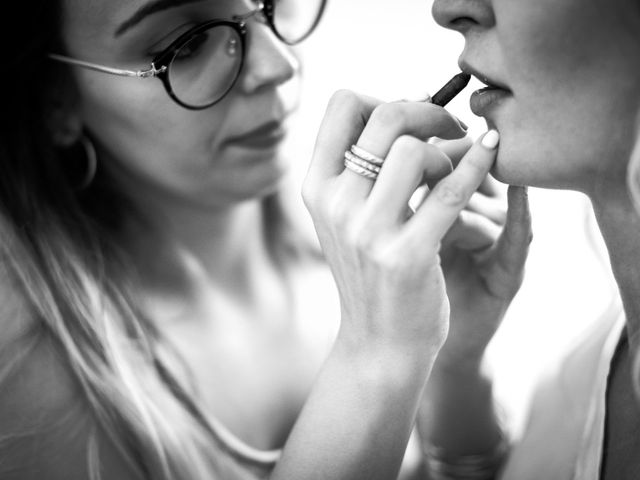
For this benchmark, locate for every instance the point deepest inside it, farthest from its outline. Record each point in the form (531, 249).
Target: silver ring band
(367, 156)
(361, 162)
(360, 170)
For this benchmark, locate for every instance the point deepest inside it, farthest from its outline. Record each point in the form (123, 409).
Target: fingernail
(464, 126)
(491, 139)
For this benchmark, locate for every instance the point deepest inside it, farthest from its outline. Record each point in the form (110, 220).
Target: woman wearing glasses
(159, 318)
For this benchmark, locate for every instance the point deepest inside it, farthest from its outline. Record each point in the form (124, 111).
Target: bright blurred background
(394, 50)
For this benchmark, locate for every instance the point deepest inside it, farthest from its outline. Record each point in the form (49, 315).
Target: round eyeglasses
(203, 64)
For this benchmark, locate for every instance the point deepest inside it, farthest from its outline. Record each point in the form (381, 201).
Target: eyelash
(158, 47)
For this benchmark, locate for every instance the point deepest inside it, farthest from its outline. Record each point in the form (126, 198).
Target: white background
(393, 50)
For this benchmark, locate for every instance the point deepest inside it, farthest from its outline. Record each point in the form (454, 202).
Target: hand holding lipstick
(395, 310)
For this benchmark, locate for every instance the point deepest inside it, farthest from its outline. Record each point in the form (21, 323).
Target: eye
(193, 47)
(210, 43)
(161, 45)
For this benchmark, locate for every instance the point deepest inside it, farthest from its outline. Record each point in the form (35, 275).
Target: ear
(63, 118)
(64, 125)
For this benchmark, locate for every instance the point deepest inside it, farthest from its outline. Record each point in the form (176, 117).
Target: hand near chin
(387, 264)
(483, 258)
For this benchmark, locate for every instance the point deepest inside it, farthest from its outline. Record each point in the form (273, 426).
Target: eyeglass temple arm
(151, 72)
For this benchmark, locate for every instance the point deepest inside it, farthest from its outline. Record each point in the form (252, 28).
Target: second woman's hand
(483, 259)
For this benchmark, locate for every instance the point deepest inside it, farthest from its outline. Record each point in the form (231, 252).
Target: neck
(189, 247)
(620, 226)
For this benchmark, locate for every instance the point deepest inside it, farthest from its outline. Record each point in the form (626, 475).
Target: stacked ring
(362, 162)
(364, 155)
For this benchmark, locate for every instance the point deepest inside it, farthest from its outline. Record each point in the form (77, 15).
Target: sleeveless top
(564, 435)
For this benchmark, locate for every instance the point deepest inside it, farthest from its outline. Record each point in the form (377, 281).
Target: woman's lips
(265, 136)
(486, 98)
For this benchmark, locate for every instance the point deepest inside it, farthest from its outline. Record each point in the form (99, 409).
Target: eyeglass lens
(294, 20)
(205, 68)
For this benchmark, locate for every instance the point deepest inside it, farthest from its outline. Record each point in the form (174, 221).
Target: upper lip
(489, 81)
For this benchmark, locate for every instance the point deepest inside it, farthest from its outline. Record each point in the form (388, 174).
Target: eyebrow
(148, 9)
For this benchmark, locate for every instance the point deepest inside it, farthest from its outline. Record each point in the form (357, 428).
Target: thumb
(513, 245)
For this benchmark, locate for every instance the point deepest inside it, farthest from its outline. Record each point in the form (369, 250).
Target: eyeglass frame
(163, 60)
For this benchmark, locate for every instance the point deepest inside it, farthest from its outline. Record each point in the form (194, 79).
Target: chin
(536, 168)
(248, 187)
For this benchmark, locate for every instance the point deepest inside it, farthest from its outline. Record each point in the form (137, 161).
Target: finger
(492, 188)
(492, 208)
(408, 161)
(513, 245)
(346, 116)
(471, 232)
(454, 149)
(418, 119)
(445, 201)
(418, 197)
(389, 121)
(415, 98)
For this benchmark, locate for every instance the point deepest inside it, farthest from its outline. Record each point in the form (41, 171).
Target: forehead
(92, 18)
(95, 13)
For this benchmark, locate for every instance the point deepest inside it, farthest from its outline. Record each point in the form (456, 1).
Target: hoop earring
(92, 162)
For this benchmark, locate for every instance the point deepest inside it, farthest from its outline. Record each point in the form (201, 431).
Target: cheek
(580, 155)
(139, 126)
(569, 68)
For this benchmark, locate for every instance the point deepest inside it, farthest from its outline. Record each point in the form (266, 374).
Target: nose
(463, 15)
(269, 62)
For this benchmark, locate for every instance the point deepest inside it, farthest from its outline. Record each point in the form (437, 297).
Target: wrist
(481, 465)
(383, 363)
(462, 368)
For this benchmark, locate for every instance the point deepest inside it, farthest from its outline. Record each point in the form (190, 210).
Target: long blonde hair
(59, 246)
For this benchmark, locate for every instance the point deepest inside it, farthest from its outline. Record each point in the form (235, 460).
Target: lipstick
(450, 89)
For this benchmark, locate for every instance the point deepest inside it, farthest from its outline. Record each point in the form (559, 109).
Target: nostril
(462, 20)
(462, 23)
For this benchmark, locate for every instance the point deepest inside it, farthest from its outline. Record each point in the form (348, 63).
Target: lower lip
(262, 141)
(485, 99)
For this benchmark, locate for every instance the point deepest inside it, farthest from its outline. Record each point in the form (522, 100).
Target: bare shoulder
(47, 426)
(34, 378)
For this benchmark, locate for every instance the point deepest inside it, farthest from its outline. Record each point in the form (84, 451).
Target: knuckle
(389, 114)
(442, 117)
(409, 146)
(450, 193)
(309, 195)
(364, 241)
(343, 100)
(390, 262)
(434, 154)
(370, 247)
(336, 212)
